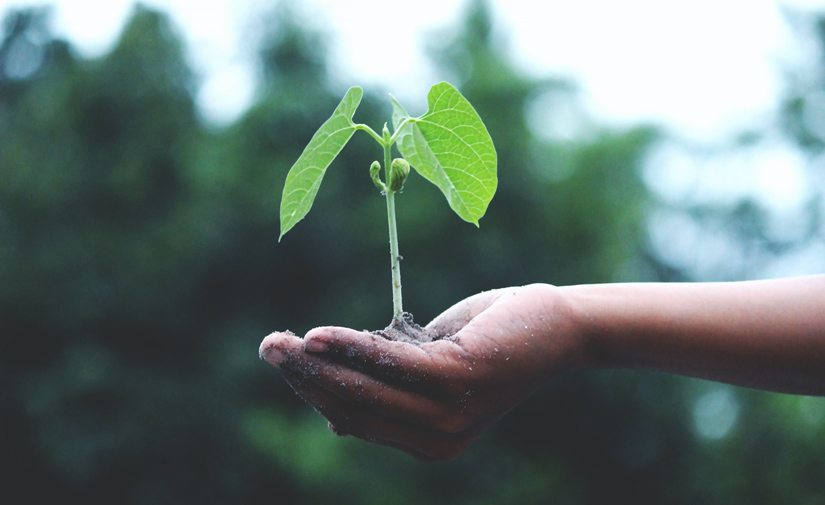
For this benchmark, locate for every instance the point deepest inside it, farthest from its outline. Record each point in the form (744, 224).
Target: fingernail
(271, 354)
(316, 345)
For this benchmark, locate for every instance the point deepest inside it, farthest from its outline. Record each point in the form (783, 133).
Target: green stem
(401, 127)
(398, 311)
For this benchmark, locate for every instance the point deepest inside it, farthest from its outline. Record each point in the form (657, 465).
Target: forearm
(761, 334)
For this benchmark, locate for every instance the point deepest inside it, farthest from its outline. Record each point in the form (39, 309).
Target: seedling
(449, 146)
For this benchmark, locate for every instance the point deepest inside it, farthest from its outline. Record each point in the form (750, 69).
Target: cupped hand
(433, 400)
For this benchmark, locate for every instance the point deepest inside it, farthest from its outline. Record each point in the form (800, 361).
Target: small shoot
(449, 146)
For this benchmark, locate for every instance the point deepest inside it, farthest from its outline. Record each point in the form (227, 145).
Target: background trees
(139, 270)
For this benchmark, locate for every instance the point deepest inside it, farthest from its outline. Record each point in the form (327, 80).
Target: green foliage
(450, 147)
(305, 176)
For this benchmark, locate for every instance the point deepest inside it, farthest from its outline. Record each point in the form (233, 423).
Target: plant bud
(398, 173)
(375, 168)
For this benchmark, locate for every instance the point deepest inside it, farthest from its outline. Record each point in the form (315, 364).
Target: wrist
(582, 305)
(568, 332)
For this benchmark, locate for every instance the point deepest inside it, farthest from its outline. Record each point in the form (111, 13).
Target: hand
(433, 400)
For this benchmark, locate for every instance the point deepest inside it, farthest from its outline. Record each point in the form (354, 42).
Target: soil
(408, 331)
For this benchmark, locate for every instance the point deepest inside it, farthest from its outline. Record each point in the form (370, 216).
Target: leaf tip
(285, 227)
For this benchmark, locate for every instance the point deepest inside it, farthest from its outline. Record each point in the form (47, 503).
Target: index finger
(388, 360)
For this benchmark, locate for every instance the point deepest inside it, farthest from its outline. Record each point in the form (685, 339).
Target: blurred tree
(769, 222)
(804, 123)
(102, 245)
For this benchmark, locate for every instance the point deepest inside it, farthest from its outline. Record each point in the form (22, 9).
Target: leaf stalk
(401, 127)
(366, 128)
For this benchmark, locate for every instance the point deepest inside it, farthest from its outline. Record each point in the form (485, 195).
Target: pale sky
(702, 68)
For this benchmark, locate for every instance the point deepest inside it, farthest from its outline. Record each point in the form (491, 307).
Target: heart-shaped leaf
(450, 147)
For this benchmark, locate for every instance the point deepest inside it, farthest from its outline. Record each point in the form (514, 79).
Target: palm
(432, 400)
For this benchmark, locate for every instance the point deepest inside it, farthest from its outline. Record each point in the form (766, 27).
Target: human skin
(433, 400)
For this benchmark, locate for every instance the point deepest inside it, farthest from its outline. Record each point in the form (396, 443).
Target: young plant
(449, 146)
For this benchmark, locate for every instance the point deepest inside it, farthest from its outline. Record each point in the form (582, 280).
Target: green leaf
(450, 147)
(304, 178)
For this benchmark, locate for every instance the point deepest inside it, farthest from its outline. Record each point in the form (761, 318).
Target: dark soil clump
(406, 330)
